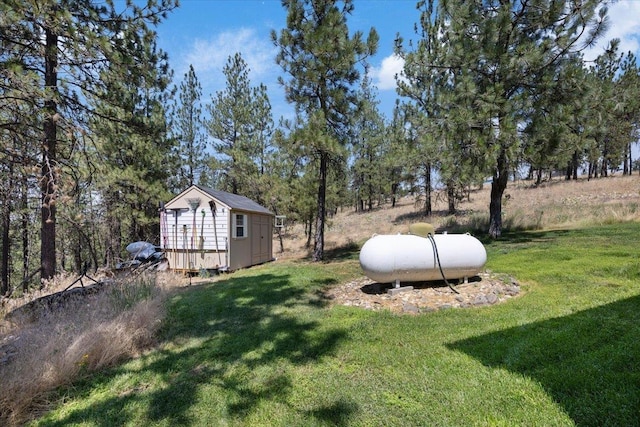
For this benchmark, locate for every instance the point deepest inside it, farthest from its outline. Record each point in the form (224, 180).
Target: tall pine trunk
(538, 176)
(370, 199)
(628, 162)
(498, 185)
(572, 167)
(5, 208)
(451, 199)
(308, 230)
(26, 223)
(48, 174)
(394, 190)
(318, 247)
(428, 209)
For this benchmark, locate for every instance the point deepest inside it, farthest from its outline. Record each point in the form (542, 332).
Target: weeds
(64, 343)
(125, 295)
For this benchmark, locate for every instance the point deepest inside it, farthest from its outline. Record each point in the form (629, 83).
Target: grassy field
(263, 347)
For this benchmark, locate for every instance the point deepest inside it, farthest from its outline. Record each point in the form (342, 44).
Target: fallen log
(52, 302)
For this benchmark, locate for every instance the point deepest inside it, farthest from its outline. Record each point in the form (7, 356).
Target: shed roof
(235, 201)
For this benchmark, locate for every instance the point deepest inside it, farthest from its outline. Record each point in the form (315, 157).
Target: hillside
(553, 204)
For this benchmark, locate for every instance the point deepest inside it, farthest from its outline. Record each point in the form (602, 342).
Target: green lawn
(263, 348)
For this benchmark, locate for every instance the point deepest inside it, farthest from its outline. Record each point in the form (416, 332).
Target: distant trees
(488, 89)
(629, 90)
(370, 147)
(613, 119)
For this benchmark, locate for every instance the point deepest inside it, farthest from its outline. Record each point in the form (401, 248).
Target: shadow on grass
(621, 233)
(350, 250)
(463, 220)
(229, 344)
(420, 216)
(589, 362)
(522, 237)
(337, 414)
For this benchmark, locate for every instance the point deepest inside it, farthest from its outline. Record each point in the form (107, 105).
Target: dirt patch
(484, 289)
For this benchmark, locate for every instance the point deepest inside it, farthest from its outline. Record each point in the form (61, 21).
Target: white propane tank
(411, 258)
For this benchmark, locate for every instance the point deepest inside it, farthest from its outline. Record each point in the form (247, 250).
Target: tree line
(96, 131)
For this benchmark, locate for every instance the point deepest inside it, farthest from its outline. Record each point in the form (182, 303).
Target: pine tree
(264, 151)
(367, 179)
(18, 176)
(241, 127)
(420, 155)
(320, 56)
(424, 83)
(188, 130)
(503, 54)
(629, 88)
(392, 161)
(553, 137)
(83, 38)
(614, 110)
(133, 150)
(603, 74)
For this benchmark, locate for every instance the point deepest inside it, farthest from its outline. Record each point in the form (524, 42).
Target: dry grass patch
(552, 204)
(58, 345)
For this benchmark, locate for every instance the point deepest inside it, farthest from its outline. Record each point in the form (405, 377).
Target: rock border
(485, 289)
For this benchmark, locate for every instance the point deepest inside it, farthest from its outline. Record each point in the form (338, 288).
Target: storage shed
(202, 228)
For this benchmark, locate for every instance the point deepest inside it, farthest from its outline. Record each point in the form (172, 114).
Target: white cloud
(209, 56)
(384, 76)
(624, 25)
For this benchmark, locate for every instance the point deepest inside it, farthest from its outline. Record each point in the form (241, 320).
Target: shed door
(260, 239)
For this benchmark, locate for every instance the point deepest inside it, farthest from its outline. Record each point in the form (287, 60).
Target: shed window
(239, 226)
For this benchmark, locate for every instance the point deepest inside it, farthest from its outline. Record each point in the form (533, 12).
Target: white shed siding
(176, 235)
(221, 230)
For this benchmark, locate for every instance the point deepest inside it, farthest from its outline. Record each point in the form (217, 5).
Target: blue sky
(206, 32)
